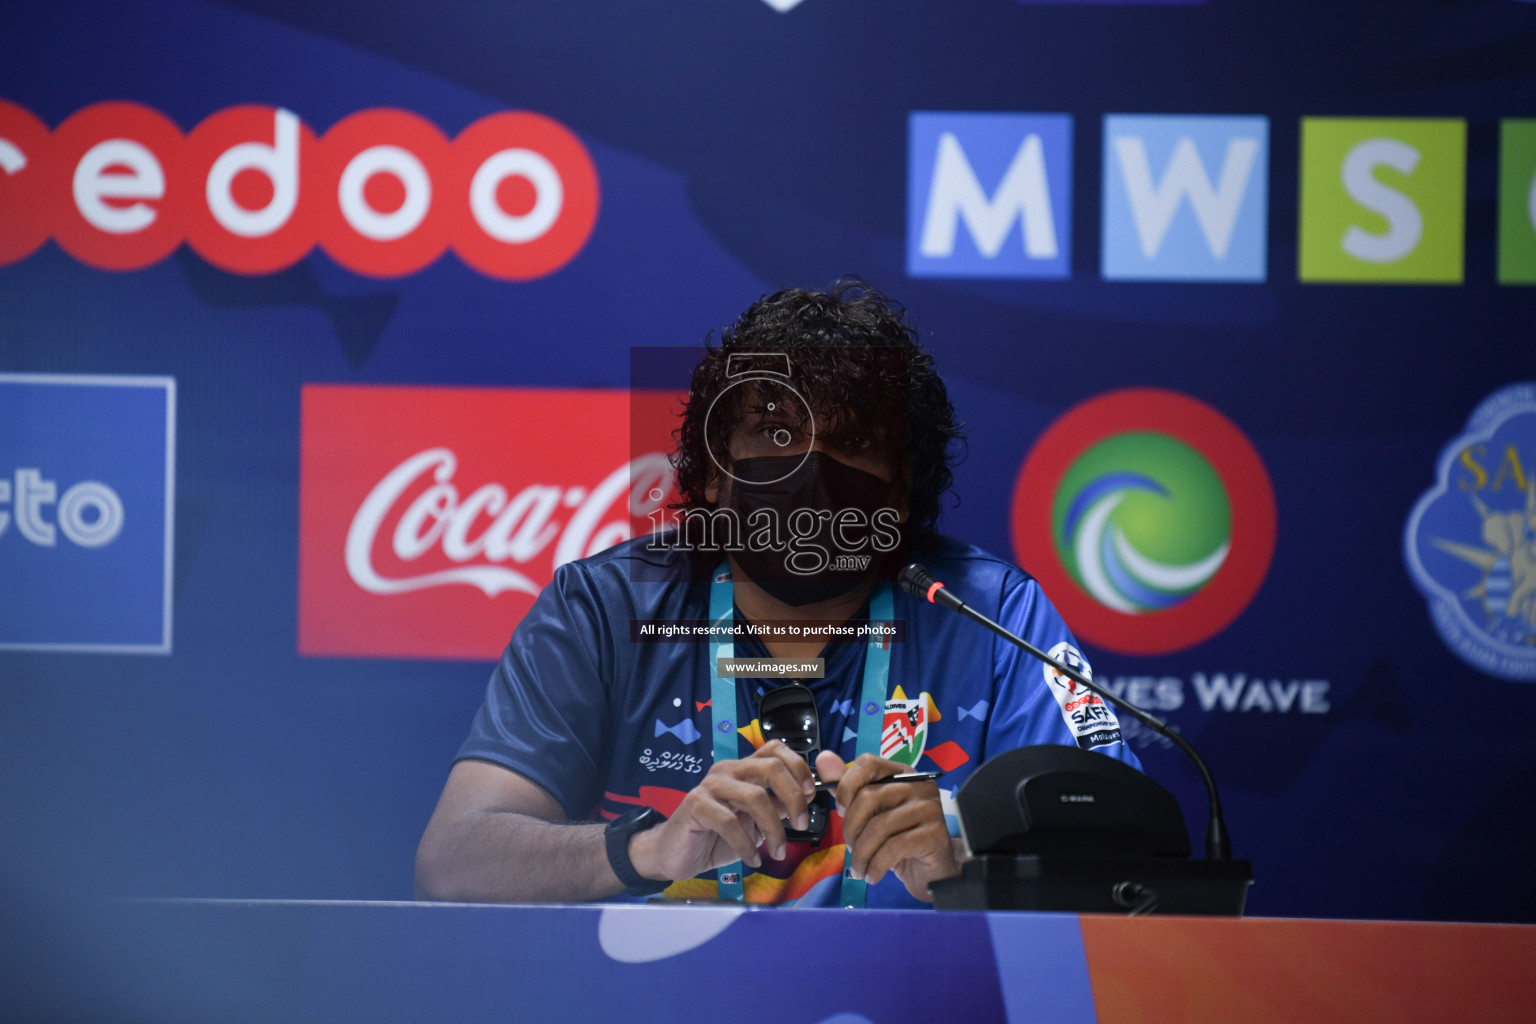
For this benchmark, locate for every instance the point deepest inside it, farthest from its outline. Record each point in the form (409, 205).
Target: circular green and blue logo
(1142, 522)
(1148, 517)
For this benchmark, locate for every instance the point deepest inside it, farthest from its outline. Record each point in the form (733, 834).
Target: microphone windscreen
(916, 580)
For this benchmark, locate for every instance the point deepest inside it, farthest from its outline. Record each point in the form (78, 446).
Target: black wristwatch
(617, 837)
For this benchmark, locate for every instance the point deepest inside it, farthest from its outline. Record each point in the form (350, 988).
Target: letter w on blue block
(1185, 198)
(989, 195)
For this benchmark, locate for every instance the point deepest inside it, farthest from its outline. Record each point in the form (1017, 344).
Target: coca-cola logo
(479, 533)
(430, 518)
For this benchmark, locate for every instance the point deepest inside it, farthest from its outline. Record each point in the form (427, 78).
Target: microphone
(919, 582)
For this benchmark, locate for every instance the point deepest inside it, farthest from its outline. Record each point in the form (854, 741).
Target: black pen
(831, 787)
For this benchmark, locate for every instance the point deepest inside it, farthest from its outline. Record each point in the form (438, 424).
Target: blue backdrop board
(1233, 296)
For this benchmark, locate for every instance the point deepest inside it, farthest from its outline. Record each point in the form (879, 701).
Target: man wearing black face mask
(813, 452)
(828, 507)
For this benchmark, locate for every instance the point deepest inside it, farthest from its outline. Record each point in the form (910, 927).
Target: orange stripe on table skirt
(761, 888)
(1153, 969)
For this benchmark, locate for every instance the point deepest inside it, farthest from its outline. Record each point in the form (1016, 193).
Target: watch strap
(616, 838)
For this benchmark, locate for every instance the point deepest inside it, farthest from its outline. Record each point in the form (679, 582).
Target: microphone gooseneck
(919, 582)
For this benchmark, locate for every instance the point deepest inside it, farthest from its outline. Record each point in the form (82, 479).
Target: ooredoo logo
(252, 189)
(430, 518)
(1148, 517)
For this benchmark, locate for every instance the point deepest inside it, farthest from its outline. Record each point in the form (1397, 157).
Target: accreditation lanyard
(725, 714)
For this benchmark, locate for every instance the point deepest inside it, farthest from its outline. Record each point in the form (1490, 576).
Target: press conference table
(236, 960)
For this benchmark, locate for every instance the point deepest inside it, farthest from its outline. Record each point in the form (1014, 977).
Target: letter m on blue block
(989, 195)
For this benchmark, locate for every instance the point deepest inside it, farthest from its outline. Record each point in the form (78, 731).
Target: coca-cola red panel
(430, 518)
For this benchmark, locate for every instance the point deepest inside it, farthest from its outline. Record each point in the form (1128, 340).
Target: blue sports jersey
(606, 722)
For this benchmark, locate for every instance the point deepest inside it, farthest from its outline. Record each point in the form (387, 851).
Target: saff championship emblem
(1092, 723)
(1470, 543)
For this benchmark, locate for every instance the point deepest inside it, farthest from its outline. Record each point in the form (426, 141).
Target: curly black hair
(857, 361)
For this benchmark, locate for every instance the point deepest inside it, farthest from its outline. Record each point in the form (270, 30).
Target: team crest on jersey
(1086, 714)
(905, 732)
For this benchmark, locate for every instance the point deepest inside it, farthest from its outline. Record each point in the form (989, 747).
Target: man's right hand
(737, 807)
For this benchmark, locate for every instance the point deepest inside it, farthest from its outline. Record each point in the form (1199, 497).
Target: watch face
(638, 820)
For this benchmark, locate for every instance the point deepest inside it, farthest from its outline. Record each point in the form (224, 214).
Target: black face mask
(820, 555)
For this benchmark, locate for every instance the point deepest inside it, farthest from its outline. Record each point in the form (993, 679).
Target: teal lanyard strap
(722, 701)
(723, 705)
(871, 712)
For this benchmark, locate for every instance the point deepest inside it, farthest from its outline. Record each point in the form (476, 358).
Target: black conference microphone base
(1152, 885)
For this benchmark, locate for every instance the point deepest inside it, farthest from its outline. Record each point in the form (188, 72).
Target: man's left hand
(898, 827)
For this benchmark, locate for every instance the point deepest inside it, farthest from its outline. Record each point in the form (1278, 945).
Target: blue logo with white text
(989, 195)
(1185, 198)
(86, 480)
